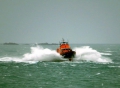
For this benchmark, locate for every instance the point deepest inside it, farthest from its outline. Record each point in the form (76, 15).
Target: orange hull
(65, 50)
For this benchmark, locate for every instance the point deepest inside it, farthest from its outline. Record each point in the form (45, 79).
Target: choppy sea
(35, 66)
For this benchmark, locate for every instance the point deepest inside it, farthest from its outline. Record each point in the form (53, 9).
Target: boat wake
(39, 54)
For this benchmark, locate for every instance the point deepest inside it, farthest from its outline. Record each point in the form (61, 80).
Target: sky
(77, 21)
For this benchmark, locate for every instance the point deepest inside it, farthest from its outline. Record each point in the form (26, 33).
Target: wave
(106, 54)
(88, 54)
(114, 66)
(39, 53)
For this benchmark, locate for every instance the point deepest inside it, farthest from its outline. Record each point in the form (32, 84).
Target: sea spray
(88, 54)
(39, 53)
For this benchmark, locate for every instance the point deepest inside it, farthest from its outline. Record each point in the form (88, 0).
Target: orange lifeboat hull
(65, 51)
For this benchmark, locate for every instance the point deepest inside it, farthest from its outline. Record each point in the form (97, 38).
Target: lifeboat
(65, 50)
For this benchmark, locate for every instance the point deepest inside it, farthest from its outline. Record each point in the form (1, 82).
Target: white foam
(106, 53)
(114, 66)
(88, 54)
(39, 53)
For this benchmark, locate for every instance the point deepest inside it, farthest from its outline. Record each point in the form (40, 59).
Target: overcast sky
(79, 21)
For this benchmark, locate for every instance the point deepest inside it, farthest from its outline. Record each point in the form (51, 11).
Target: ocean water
(35, 66)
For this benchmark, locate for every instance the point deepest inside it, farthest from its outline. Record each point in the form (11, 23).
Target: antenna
(63, 39)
